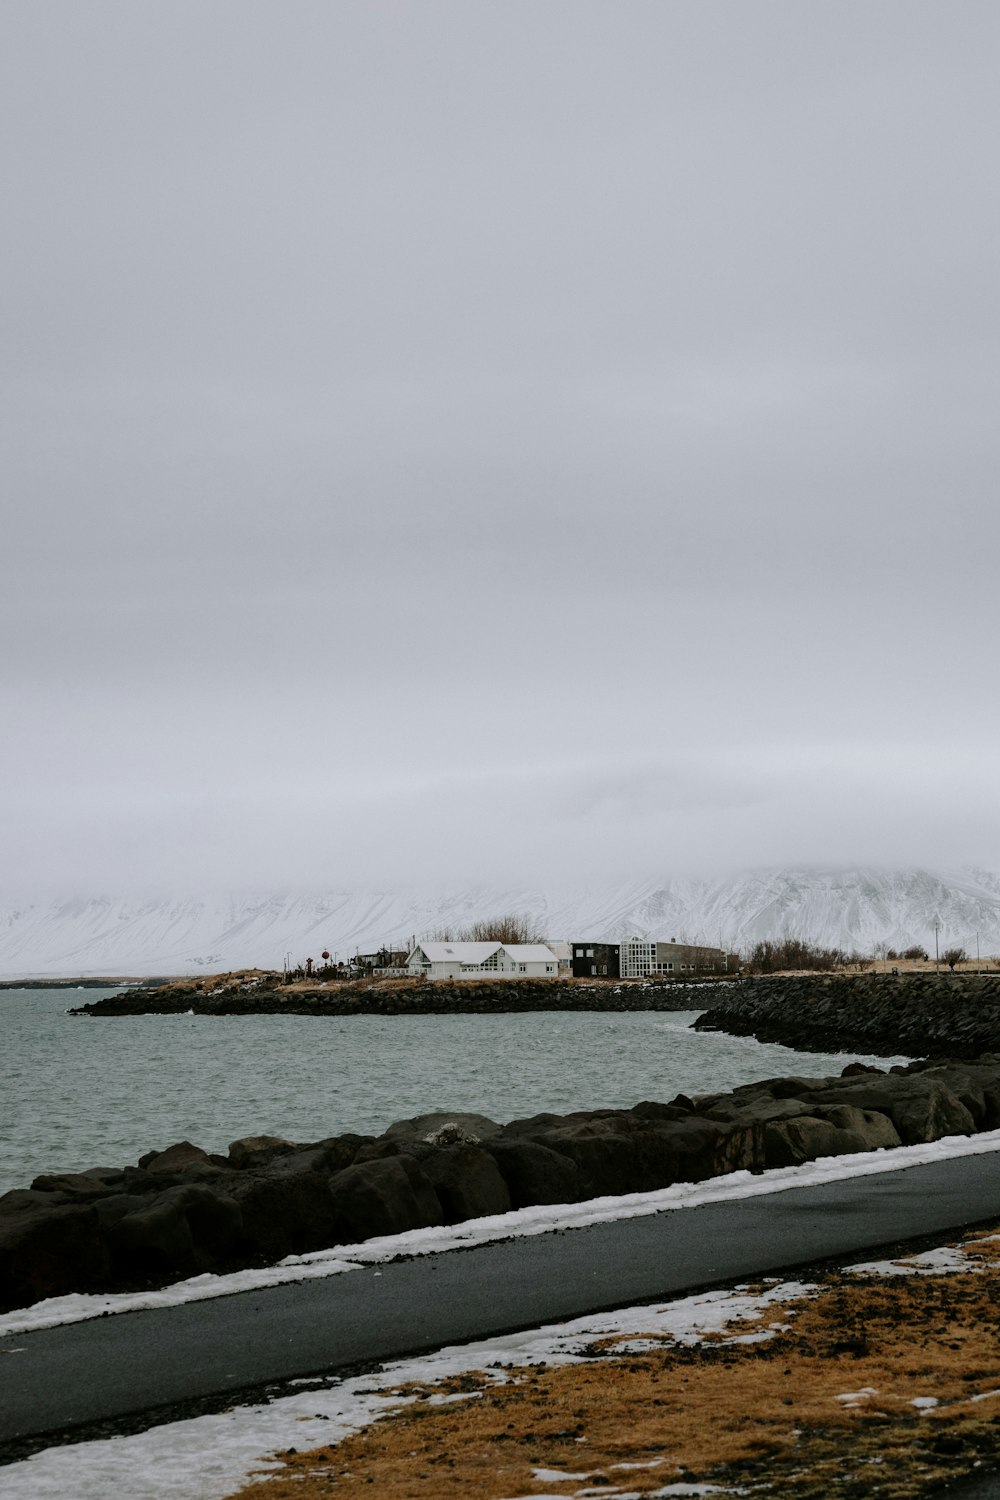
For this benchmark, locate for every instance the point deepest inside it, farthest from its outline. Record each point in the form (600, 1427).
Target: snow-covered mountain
(851, 909)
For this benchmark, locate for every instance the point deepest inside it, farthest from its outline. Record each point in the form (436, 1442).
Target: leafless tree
(510, 927)
(768, 957)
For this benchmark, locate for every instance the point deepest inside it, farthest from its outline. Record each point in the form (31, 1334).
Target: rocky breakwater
(236, 996)
(916, 1015)
(184, 1211)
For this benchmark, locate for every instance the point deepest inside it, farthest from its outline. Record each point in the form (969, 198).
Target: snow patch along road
(537, 1220)
(206, 1458)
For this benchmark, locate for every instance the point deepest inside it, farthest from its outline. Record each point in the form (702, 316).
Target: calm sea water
(77, 1092)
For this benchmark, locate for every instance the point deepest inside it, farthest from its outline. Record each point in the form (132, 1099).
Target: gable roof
(530, 953)
(456, 953)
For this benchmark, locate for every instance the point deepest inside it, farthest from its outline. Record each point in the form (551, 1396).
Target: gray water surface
(76, 1091)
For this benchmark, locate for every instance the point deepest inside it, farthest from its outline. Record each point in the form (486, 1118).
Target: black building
(596, 961)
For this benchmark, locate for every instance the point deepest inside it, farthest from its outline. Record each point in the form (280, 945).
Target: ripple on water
(82, 1092)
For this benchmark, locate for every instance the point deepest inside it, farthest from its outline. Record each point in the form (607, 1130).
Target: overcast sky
(528, 440)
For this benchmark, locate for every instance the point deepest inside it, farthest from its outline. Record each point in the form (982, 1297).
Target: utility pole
(937, 958)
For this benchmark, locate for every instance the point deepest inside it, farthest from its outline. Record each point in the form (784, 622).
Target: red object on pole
(325, 954)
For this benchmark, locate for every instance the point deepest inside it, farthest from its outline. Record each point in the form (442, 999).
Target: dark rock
(375, 1198)
(182, 1158)
(535, 1173)
(976, 1085)
(48, 1248)
(677, 1109)
(928, 1015)
(875, 1131)
(288, 1214)
(838, 1131)
(136, 1180)
(444, 1129)
(473, 997)
(467, 1181)
(338, 1151)
(761, 1108)
(532, 1125)
(381, 1148)
(628, 1155)
(88, 1184)
(114, 1207)
(705, 1148)
(185, 1229)
(325, 1156)
(921, 1108)
(255, 1150)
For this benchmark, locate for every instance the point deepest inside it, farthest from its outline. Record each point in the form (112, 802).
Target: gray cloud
(478, 440)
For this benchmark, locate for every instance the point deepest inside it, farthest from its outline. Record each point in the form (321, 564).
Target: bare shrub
(511, 927)
(769, 957)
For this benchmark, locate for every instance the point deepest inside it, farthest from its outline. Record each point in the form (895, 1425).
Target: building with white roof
(487, 960)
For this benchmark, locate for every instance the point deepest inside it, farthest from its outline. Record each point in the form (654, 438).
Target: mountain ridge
(856, 909)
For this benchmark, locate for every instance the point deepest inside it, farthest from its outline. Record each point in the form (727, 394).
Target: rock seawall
(184, 1211)
(441, 998)
(916, 1015)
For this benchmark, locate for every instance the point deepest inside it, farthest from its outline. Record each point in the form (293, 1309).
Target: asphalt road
(117, 1368)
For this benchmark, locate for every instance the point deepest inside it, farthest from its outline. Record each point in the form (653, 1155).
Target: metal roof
(456, 953)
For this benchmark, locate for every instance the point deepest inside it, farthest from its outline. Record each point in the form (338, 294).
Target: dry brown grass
(757, 1415)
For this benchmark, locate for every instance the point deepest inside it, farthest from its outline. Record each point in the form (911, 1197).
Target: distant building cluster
(631, 958)
(642, 958)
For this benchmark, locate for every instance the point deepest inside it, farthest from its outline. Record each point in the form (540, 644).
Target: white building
(641, 958)
(485, 960)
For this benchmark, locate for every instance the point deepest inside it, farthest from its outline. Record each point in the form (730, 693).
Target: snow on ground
(940, 1262)
(206, 1458)
(522, 1222)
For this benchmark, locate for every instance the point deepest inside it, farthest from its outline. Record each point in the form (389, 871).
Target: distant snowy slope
(852, 909)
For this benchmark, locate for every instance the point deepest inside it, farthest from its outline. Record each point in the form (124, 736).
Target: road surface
(114, 1369)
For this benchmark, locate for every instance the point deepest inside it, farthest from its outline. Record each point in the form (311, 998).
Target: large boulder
(837, 1130)
(257, 1150)
(535, 1173)
(873, 1130)
(761, 1109)
(48, 1247)
(708, 1148)
(374, 1198)
(977, 1085)
(920, 1107)
(444, 1128)
(182, 1160)
(535, 1126)
(185, 1229)
(327, 1156)
(625, 1154)
(88, 1184)
(284, 1214)
(467, 1181)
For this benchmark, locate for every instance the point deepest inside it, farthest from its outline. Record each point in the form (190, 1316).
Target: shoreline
(919, 1015)
(106, 1334)
(184, 1212)
(256, 994)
